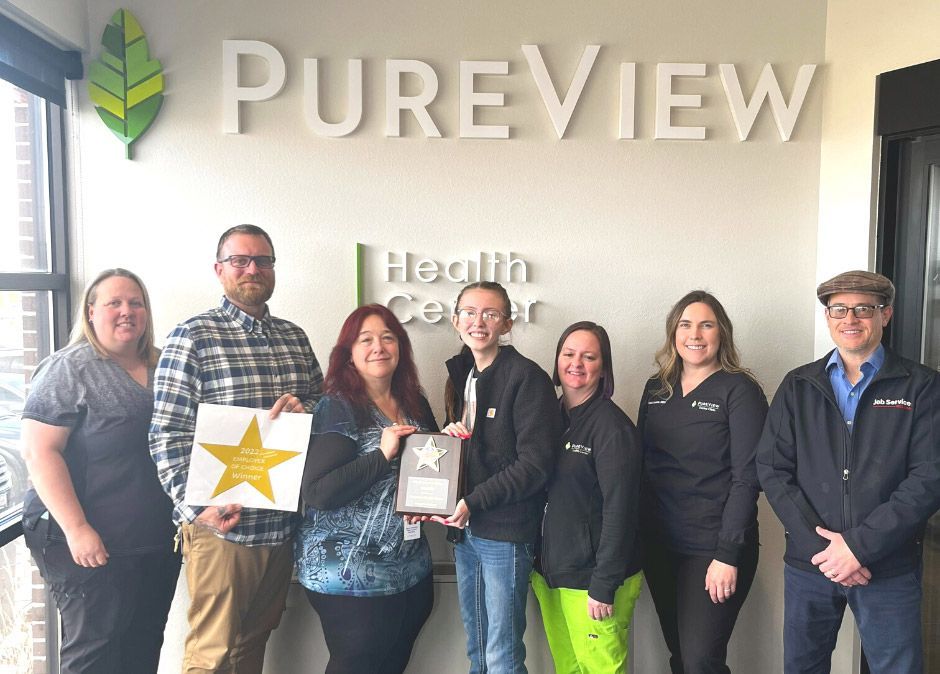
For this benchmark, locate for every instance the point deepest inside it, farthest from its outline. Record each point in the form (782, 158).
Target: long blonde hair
(84, 331)
(668, 358)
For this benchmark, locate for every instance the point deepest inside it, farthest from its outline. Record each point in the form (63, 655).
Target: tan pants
(238, 594)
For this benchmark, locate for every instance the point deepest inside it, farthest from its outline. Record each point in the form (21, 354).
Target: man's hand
(286, 403)
(221, 519)
(838, 563)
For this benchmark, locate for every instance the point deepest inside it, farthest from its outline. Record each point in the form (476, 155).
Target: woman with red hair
(371, 588)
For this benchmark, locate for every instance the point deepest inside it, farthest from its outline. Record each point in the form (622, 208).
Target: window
(34, 309)
(33, 266)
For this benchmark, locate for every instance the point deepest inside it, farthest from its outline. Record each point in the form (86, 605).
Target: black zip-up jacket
(589, 534)
(877, 485)
(512, 451)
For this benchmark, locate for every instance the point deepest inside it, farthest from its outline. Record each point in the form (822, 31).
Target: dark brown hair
(606, 384)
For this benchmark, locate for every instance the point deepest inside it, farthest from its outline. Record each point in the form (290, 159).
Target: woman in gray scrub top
(97, 521)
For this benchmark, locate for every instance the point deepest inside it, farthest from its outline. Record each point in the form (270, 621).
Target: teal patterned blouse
(359, 549)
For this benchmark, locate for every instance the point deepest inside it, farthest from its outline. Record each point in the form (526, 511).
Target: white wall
(864, 38)
(62, 22)
(613, 230)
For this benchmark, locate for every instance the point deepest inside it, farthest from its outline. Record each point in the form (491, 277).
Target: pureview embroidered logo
(892, 403)
(577, 449)
(705, 406)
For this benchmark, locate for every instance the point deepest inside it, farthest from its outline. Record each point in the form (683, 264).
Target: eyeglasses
(242, 261)
(860, 311)
(488, 315)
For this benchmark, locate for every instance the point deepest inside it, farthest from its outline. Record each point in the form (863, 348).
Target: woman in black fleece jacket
(700, 418)
(503, 404)
(587, 576)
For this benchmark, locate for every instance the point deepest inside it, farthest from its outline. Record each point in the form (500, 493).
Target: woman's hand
(86, 546)
(391, 439)
(598, 610)
(456, 430)
(459, 519)
(721, 581)
(43, 446)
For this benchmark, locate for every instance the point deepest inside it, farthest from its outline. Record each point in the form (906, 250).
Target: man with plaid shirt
(238, 560)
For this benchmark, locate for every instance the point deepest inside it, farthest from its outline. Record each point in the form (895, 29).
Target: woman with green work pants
(587, 571)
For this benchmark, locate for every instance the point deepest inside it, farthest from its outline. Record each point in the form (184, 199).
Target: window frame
(21, 50)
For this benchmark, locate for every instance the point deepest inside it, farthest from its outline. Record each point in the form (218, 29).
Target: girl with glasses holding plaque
(370, 583)
(700, 419)
(504, 405)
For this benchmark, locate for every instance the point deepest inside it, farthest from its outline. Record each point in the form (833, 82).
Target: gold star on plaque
(429, 455)
(248, 461)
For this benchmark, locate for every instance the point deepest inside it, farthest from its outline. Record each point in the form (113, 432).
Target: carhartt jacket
(512, 451)
(877, 485)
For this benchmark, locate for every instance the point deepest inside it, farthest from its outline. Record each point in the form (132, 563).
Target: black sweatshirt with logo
(589, 535)
(700, 488)
(877, 485)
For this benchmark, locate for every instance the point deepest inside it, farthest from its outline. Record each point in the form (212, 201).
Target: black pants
(372, 635)
(696, 630)
(113, 616)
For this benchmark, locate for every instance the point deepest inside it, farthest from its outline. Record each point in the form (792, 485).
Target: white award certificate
(239, 455)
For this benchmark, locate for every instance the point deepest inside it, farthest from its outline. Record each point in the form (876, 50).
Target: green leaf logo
(125, 84)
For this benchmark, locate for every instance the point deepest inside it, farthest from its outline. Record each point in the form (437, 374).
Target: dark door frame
(907, 118)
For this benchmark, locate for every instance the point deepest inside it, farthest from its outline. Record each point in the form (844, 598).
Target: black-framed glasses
(242, 261)
(860, 310)
(488, 315)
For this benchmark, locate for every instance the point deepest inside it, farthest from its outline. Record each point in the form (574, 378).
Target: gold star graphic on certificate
(248, 461)
(429, 455)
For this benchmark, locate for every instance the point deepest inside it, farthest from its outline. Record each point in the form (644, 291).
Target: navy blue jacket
(877, 485)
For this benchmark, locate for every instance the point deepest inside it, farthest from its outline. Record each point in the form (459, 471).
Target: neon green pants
(579, 644)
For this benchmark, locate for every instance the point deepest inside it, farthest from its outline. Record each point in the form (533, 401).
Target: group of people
(565, 493)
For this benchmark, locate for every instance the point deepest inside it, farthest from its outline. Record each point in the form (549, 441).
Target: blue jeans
(493, 585)
(887, 612)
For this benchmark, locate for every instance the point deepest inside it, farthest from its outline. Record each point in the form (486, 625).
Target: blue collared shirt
(847, 394)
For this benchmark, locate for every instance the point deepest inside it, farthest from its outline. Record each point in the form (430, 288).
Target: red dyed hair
(343, 380)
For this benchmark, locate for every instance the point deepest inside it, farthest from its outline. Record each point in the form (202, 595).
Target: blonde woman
(97, 521)
(700, 419)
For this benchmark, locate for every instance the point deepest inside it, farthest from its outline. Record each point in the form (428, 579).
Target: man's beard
(249, 294)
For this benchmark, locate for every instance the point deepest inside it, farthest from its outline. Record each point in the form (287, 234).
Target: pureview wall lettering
(744, 111)
(412, 275)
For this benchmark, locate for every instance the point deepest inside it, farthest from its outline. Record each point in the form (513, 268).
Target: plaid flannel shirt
(226, 357)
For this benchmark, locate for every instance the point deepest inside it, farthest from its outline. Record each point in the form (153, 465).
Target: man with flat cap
(850, 461)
